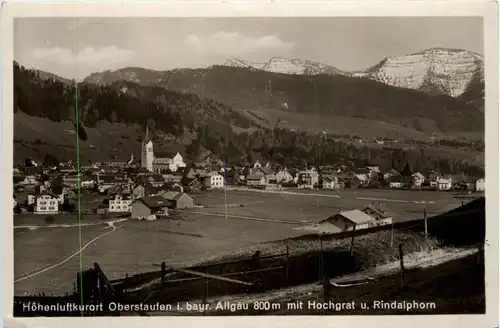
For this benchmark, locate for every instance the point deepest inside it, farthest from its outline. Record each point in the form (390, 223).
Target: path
(32, 227)
(111, 224)
(251, 218)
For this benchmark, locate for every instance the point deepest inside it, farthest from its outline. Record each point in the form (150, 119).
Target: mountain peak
(442, 70)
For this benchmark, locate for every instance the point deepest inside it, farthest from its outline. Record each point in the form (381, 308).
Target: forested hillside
(327, 95)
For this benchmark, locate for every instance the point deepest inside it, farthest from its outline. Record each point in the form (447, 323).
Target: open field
(204, 233)
(306, 205)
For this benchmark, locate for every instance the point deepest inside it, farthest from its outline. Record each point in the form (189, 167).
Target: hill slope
(324, 95)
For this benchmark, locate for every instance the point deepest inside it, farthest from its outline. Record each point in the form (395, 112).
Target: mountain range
(435, 70)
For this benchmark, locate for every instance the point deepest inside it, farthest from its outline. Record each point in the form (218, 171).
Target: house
(418, 179)
(395, 184)
(267, 172)
(149, 207)
(393, 176)
(308, 179)
(443, 184)
(86, 181)
(214, 180)
(188, 172)
(284, 176)
(480, 185)
(346, 221)
(120, 203)
(433, 178)
(179, 200)
(193, 184)
(142, 190)
(381, 217)
(330, 182)
(359, 180)
(47, 203)
(25, 180)
(255, 180)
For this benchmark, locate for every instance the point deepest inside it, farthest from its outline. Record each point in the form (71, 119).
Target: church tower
(147, 154)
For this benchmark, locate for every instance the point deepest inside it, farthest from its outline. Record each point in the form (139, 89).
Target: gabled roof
(442, 180)
(255, 177)
(172, 195)
(154, 202)
(357, 216)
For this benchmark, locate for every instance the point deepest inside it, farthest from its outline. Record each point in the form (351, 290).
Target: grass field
(203, 234)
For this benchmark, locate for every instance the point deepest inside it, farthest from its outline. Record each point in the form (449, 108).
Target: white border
(488, 10)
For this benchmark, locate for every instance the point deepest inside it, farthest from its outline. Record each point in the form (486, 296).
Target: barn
(149, 206)
(179, 199)
(346, 221)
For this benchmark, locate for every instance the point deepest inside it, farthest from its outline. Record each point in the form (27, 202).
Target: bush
(50, 219)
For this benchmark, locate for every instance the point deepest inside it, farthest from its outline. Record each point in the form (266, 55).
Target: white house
(330, 182)
(395, 185)
(418, 179)
(214, 180)
(255, 180)
(284, 176)
(120, 203)
(480, 185)
(443, 184)
(47, 203)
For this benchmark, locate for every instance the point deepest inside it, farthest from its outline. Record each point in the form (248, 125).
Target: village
(160, 183)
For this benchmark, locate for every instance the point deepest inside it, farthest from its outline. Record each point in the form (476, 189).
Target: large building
(160, 164)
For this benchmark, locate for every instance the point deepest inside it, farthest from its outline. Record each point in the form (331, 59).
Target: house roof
(172, 195)
(376, 210)
(255, 177)
(442, 180)
(357, 216)
(190, 181)
(361, 177)
(212, 173)
(154, 201)
(419, 175)
(163, 160)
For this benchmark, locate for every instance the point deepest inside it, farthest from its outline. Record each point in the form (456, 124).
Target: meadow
(134, 246)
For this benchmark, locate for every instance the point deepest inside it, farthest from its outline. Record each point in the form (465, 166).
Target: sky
(75, 48)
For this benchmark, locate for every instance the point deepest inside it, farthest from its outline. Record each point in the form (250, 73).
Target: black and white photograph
(249, 166)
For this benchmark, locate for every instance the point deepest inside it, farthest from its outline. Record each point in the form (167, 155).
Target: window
(43, 208)
(42, 203)
(112, 207)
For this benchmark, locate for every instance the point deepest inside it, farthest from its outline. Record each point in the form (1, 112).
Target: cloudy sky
(74, 48)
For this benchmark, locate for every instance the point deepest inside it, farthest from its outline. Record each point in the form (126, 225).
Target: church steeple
(146, 136)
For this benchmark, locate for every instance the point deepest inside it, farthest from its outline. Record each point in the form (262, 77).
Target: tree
(51, 160)
(113, 117)
(151, 123)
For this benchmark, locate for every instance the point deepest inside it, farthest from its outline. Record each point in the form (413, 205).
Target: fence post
(402, 264)
(326, 287)
(425, 222)
(287, 265)
(163, 271)
(352, 239)
(321, 267)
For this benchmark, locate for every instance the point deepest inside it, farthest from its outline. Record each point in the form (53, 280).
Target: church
(163, 163)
